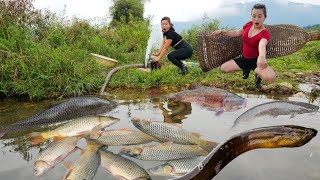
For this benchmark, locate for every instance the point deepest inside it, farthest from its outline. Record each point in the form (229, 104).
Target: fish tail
(207, 145)
(36, 138)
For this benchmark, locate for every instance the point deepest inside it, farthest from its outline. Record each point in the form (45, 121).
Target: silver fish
(276, 108)
(86, 166)
(76, 127)
(122, 167)
(53, 154)
(163, 152)
(169, 132)
(176, 167)
(214, 99)
(121, 137)
(68, 109)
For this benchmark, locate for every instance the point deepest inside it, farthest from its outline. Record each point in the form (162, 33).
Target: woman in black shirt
(170, 38)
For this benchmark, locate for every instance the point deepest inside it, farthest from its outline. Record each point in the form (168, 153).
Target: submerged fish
(122, 168)
(68, 109)
(214, 99)
(266, 137)
(276, 108)
(169, 132)
(163, 152)
(121, 137)
(76, 127)
(53, 154)
(176, 167)
(86, 166)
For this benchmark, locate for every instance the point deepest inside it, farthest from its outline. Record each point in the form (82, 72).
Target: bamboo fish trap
(214, 50)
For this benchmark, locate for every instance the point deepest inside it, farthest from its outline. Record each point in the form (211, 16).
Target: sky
(177, 10)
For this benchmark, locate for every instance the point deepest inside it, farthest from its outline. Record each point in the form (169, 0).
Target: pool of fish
(141, 134)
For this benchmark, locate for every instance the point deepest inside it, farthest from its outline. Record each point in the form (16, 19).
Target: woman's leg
(266, 74)
(230, 66)
(176, 56)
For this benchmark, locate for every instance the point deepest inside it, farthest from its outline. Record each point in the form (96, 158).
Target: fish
(122, 168)
(62, 111)
(211, 98)
(54, 153)
(176, 167)
(121, 137)
(172, 132)
(86, 166)
(275, 109)
(288, 136)
(76, 127)
(163, 152)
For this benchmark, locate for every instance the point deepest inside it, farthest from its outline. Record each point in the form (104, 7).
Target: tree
(126, 9)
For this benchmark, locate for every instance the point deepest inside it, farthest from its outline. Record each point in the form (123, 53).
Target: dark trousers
(182, 51)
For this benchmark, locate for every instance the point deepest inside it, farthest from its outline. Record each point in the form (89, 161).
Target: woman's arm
(161, 47)
(164, 49)
(231, 33)
(262, 62)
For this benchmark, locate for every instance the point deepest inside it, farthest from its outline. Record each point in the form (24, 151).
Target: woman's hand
(156, 53)
(156, 58)
(262, 62)
(217, 32)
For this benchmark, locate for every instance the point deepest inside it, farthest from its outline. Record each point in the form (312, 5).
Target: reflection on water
(17, 155)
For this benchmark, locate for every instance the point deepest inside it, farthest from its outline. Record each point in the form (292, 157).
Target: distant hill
(312, 27)
(294, 13)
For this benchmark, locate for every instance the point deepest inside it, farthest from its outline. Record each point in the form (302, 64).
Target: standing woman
(170, 38)
(255, 38)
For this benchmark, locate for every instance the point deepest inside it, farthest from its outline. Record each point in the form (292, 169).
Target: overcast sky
(177, 10)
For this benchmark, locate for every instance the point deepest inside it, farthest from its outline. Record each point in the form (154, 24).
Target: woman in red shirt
(255, 38)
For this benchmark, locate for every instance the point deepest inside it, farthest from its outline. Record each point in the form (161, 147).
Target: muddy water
(17, 155)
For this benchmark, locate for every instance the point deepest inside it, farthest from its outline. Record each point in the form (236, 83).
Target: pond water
(17, 155)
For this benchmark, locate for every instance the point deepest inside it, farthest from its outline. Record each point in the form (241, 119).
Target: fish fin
(124, 129)
(68, 165)
(218, 113)
(208, 145)
(169, 143)
(94, 135)
(196, 134)
(293, 115)
(57, 138)
(118, 177)
(97, 128)
(36, 138)
(178, 174)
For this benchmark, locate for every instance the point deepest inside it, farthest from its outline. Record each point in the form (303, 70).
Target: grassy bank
(304, 62)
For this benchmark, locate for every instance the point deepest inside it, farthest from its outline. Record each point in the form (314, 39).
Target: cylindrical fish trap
(214, 50)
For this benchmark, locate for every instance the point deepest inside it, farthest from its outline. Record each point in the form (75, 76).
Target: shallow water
(17, 155)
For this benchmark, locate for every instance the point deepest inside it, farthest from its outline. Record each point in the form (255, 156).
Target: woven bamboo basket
(214, 50)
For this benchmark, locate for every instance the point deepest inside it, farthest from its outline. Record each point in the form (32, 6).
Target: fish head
(131, 151)
(140, 123)
(234, 104)
(298, 135)
(109, 120)
(284, 136)
(164, 170)
(104, 106)
(40, 167)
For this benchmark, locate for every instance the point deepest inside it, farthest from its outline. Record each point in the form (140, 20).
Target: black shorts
(246, 63)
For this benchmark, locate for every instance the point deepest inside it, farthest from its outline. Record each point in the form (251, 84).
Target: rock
(286, 85)
(299, 94)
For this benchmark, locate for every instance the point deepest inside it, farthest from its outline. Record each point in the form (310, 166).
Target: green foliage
(126, 8)
(44, 56)
(190, 35)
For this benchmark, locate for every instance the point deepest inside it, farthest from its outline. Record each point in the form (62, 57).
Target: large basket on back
(214, 50)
